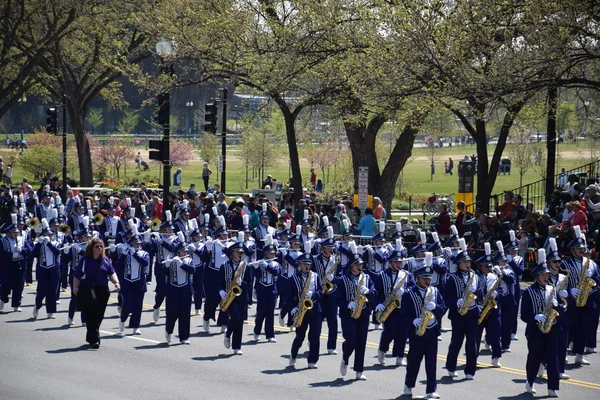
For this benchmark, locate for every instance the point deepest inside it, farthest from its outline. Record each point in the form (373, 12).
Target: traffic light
(158, 146)
(162, 109)
(52, 120)
(210, 118)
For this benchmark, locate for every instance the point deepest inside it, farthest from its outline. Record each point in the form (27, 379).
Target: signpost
(363, 188)
(466, 180)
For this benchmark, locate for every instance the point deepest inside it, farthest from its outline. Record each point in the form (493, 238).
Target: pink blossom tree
(115, 152)
(181, 153)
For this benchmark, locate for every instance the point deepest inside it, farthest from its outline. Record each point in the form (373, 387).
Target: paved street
(46, 359)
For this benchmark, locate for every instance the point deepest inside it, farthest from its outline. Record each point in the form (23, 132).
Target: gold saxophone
(359, 298)
(425, 315)
(66, 229)
(585, 285)
(234, 289)
(391, 303)
(155, 225)
(549, 312)
(327, 284)
(98, 219)
(304, 304)
(34, 223)
(468, 296)
(489, 303)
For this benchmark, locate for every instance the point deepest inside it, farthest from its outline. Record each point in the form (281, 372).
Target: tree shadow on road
(83, 347)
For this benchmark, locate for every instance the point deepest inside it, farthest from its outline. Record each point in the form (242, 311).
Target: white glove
(508, 258)
(147, 236)
(177, 260)
(364, 290)
(66, 249)
(352, 305)
(460, 303)
(106, 234)
(294, 311)
(589, 272)
(309, 294)
(575, 292)
(555, 302)
(256, 265)
(330, 277)
(191, 248)
(540, 318)
(112, 247)
(16, 254)
(399, 292)
(283, 252)
(210, 245)
(239, 281)
(417, 322)
(472, 288)
(18, 249)
(369, 247)
(496, 270)
(563, 293)
(431, 306)
(223, 294)
(494, 294)
(379, 307)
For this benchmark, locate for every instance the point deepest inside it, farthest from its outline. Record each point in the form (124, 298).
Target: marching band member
(134, 262)
(390, 286)
(326, 264)
(354, 287)
(560, 281)
(507, 299)
(487, 277)
(452, 249)
(306, 226)
(76, 219)
(108, 228)
(517, 263)
(343, 247)
(182, 222)
(180, 290)
(262, 230)
(416, 262)
(43, 209)
(14, 252)
(583, 273)
(305, 286)
(163, 248)
(267, 272)
(323, 234)
(72, 254)
(235, 272)
(215, 257)
(440, 267)
(424, 305)
(289, 265)
(539, 301)
(196, 251)
(47, 252)
(463, 290)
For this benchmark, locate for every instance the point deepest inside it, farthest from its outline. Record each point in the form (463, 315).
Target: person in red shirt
(443, 223)
(157, 208)
(377, 208)
(460, 218)
(313, 177)
(579, 217)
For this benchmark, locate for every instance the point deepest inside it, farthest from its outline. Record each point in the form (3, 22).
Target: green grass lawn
(416, 173)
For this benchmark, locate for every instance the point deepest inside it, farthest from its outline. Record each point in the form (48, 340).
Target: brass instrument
(327, 284)
(549, 312)
(304, 304)
(234, 289)
(489, 303)
(563, 285)
(66, 229)
(34, 223)
(425, 315)
(392, 302)
(155, 225)
(585, 285)
(359, 298)
(468, 296)
(98, 219)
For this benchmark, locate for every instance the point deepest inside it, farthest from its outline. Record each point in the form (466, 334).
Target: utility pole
(224, 139)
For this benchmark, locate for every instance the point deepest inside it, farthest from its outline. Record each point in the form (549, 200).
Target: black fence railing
(535, 192)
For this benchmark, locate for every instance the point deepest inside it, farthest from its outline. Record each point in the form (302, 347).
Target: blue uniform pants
(198, 289)
(581, 326)
(133, 302)
(355, 339)
(492, 333)
(463, 327)
(507, 317)
(235, 326)
(425, 346)
(13, 280)
(590, 340)
(48, 279)
(329, 310)
(213, 298)
(395, 328)
(160, 290)
(543, 348)
(313, 321)
(179, 307)
(72, 303)
(265, 313)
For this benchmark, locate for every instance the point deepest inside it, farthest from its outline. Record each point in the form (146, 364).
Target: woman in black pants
(90, 286)
(206, 175)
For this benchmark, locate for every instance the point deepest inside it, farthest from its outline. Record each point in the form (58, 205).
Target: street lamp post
(189, 105)
(588, 137)
(164, 49)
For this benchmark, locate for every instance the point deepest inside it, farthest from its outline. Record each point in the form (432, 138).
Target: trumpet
(98, 219)
(34, 223)
(66, 229)
(155, 225)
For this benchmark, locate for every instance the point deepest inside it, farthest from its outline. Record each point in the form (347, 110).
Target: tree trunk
(84, 156)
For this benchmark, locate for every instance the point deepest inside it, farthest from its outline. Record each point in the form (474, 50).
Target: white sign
(221, 163)
(363, 187)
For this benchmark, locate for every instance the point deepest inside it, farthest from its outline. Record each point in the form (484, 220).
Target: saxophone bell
(34, 223)
(66, 229)
(98, 219)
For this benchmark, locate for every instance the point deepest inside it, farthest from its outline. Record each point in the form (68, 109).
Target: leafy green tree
(95, 118)
(128, 123)
(37, 161)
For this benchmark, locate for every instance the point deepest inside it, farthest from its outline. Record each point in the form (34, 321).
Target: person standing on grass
(206, 172)
(177, 180)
